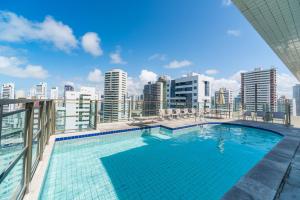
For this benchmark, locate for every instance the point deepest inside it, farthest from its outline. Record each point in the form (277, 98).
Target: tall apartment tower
(115, 107)
(153, 98)
(296, 96)
(259, 90)
(8, 92)
(54, 93)
(41, 90)
(189, 91)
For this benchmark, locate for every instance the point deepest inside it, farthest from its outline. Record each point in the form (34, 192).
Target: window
(206, 86)
(195, 94)
(195, 87)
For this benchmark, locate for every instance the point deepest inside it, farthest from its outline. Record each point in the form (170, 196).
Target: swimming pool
(200, 162)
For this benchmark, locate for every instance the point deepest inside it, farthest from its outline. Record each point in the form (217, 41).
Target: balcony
(29, 132)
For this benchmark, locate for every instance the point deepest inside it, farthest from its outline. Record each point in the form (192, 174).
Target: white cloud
(175, 64)
(226, 2)
(211, 71)
(147, 76)
(91, 44)
(12, 66)
(234, 33)
(115, 57)
(95, 76)
(14, 28)
(285, 83)
(136, 85)
(158, 56)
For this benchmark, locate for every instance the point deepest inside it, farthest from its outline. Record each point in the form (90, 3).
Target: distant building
(189, 91)
(8, 92)
(228, 99)
(283, 101)
(259, 90)
(164, 80)
(54, 93)
(136, 105)
(115, 107)
(68, 88)
(237, 104)
(41, 90)
(296, 96)
(153, 98)
(77, 109)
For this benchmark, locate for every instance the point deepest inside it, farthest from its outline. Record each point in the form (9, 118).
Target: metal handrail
(13, 112)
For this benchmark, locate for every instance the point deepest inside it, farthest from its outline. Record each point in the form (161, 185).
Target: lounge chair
(168, 113)
(184, 113)
(279, 116)
(191, 112)
(176, 113)
(144, 120)
(247, 114)
(260, 114)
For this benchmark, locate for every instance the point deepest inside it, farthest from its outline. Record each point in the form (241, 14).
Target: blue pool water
(191, 163)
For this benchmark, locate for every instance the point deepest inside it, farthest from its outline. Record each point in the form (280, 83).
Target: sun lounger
(260, 114)
(144, 120)
(279, 116)
(247, 114)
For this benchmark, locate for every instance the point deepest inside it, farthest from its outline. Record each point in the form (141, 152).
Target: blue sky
(77, 41)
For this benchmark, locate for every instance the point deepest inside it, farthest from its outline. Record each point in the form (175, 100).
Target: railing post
(53, 118)
(48, 108)
(28, 144)
(1, 113)
(96, 114)
(42, 136)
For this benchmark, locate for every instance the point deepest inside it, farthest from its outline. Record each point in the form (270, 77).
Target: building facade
(259, 90)
(296, 96)
(54, 93)
(189, 91)
(282, 103)
(115, 105)
(77, 109)
(68, 88)
(8, 92)
(153, 98)
(41, 90)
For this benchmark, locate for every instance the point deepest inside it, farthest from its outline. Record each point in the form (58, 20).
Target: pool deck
(276, 176)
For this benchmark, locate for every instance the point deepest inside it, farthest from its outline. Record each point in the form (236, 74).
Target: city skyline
(78, 53)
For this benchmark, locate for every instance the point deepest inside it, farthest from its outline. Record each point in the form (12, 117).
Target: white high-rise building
(54, 93)
(41, 90)
(258, 90)
(8, 92)
(77, 109)
(115, 107)
(189, 91)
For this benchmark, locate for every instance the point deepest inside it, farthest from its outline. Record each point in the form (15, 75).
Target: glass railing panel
(12, 138)
(13, 183)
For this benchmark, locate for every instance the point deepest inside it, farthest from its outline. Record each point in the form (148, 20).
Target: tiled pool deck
(276, 176)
